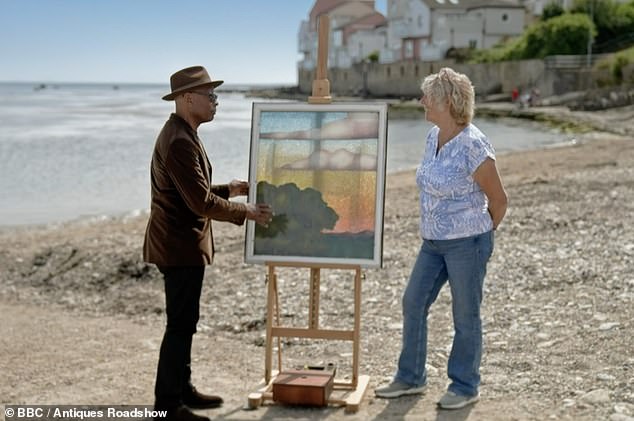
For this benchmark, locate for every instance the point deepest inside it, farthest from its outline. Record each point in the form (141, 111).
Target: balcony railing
(571, 61)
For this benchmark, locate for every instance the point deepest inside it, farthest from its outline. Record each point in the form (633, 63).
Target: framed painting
(322, 169)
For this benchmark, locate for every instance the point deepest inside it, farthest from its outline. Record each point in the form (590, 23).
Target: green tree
(565, 34)
(373, 57)
(509, 50)
(615, 65)
(610, 24)
(612, 19)
(552, 10)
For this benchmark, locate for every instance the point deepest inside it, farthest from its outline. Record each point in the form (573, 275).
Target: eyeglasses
(212, 96)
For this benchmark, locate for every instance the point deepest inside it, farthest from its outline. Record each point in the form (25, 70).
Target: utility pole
(589, 56)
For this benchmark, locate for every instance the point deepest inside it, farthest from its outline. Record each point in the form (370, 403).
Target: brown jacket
(184, 201)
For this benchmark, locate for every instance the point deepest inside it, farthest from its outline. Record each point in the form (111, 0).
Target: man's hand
(238, 188)
(261, 213)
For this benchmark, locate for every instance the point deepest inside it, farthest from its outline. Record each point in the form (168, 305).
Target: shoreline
(400, 174)
(551, 111)
(394, 180)
(587, 126)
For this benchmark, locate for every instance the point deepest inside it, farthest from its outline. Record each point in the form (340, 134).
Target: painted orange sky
(343, 170)
(356, 211)
(350, 193)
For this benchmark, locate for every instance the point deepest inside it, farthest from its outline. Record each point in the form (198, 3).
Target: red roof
(370, 21)
(324, 6)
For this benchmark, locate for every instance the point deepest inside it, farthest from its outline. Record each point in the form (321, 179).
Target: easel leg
(357, 328)
(313, 310)
(268, 357)
(355, 390)
(277, 323)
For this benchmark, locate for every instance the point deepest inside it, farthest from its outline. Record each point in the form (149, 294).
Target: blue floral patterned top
(452, 204)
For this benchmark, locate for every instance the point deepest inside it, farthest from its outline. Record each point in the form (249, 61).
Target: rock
(546, 344)
(608, 326)
(596, 397)
(620, 417)
(624, 408)
(431, 370)
(600, 317)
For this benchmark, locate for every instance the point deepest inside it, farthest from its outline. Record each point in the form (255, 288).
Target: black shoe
(196, 400)
(182, 413)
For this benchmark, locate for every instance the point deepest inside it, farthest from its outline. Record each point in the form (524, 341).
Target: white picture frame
(322, 168)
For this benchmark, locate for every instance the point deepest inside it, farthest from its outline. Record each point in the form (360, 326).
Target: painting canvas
(322, 169)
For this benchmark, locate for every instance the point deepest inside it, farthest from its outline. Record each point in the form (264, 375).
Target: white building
(409, 25)
(414, 29)
(354, 40)
(427, 29)
(346, 18)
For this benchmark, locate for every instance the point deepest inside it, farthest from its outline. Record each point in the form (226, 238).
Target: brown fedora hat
(188, 79)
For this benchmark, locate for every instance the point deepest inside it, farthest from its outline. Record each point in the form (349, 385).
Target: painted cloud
(339, 160)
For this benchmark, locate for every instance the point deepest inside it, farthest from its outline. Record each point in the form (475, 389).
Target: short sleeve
(430, 142)
(479, 150)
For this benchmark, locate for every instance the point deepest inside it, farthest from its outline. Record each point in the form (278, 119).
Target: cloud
(339, 160)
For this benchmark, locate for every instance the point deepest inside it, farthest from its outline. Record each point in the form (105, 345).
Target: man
(179, 238)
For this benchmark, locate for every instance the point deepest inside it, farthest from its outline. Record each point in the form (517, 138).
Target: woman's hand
(488, 179)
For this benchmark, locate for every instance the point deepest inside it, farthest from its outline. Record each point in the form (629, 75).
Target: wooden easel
(321, 85)
(353, 391)
(347, 394)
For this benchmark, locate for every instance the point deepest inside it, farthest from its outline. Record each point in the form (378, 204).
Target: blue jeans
(463, 263)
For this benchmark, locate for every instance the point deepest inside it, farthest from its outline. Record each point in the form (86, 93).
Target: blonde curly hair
(453, 88)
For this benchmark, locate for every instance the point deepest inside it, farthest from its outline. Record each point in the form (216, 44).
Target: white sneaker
(452, 400)
(396, 389)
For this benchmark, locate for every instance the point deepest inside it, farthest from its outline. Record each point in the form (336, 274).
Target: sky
(145, 41)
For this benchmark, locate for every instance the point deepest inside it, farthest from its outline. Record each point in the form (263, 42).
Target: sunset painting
(322, 168)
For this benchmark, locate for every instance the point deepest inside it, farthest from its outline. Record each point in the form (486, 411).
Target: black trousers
(182, 307)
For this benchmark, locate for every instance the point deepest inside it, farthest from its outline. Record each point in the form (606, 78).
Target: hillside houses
(412, 30)
(371, 55)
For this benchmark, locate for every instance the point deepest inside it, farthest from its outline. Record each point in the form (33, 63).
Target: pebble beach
(558, 310)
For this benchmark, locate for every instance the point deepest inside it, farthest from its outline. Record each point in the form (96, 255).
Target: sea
(82, 151)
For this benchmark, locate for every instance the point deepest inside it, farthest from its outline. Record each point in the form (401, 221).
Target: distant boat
(39, 87)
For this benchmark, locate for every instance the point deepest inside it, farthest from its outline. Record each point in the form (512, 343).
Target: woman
(462, 201)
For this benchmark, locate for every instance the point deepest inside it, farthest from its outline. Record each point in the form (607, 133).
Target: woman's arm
(488, 178)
